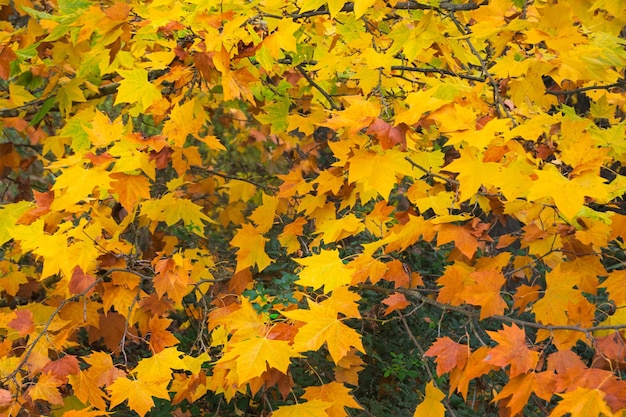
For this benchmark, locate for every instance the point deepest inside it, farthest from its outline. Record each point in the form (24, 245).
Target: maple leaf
(324, 269)
(323, 326)
(6, 398)
(448, 354)
(62, 367)
(253, 356)
(519, 389)
(344, 301)
(251, 244)
(338, 229)
(172, 209)
(475, 367)
(86, 389)
(485, 292)
(131, 189)
(135, 88)
(263, 216)
(358, 114)
(80, 282)
(242, 320)
(512, 350)
(160, 337)
(348, 368)
(47, 389)
(289, 236)
(313, 408)
(378, 171)
(23, 322)
(137, 392)
(582, 402)
(335, 393)
(431, 406)
(395, 301)
(463, 239)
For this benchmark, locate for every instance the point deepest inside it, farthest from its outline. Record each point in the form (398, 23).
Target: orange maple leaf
(512, 350)
(395, 301)
(160, 337)
(485, 292)
(448, 354)
(519, 389)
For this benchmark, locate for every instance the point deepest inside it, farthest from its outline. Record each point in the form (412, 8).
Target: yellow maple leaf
(263, 215)
(582, 402)
(172, 209)
(338, 229)
(244, 322)
(138, 393)
(47, 389)
(431, 406)
(135, 88)
(324, 269)
(359, 113)
(378, 171)
(184, 120)
(335, 393)
(76, 183)
(315, 408)
(323, 326)
(289, 237)
(253, 356)
(251, 244)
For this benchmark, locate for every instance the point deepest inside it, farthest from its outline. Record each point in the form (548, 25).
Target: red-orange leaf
(448, 354)
(512, 350)
(395, 301)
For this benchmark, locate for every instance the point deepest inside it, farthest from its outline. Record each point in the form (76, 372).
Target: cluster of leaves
(220, 204)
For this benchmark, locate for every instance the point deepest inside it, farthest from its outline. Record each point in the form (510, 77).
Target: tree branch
(44, 330)
(437, 71)
(422, 352)
(414, 293)
(431, 174)
(315, 85)
(619, 84)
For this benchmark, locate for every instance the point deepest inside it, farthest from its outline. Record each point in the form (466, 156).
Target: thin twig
(437, 71)
(432, 174)
(620, 84)
(494, 85)
(315, 85)
(414, 293)
(44, 330)
(422, 353)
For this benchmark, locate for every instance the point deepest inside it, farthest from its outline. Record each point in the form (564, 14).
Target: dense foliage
(312, 207)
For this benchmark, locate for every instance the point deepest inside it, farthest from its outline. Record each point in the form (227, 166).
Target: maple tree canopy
(228, 205)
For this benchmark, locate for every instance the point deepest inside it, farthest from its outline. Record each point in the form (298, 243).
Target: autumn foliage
(218, 208)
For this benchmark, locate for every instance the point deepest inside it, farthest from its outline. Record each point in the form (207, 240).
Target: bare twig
(431, 174)
(471, 313)
(437, 71)
(619, 84)
(422, 352)
(44, 330)
(494, 85)
(315, 85)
